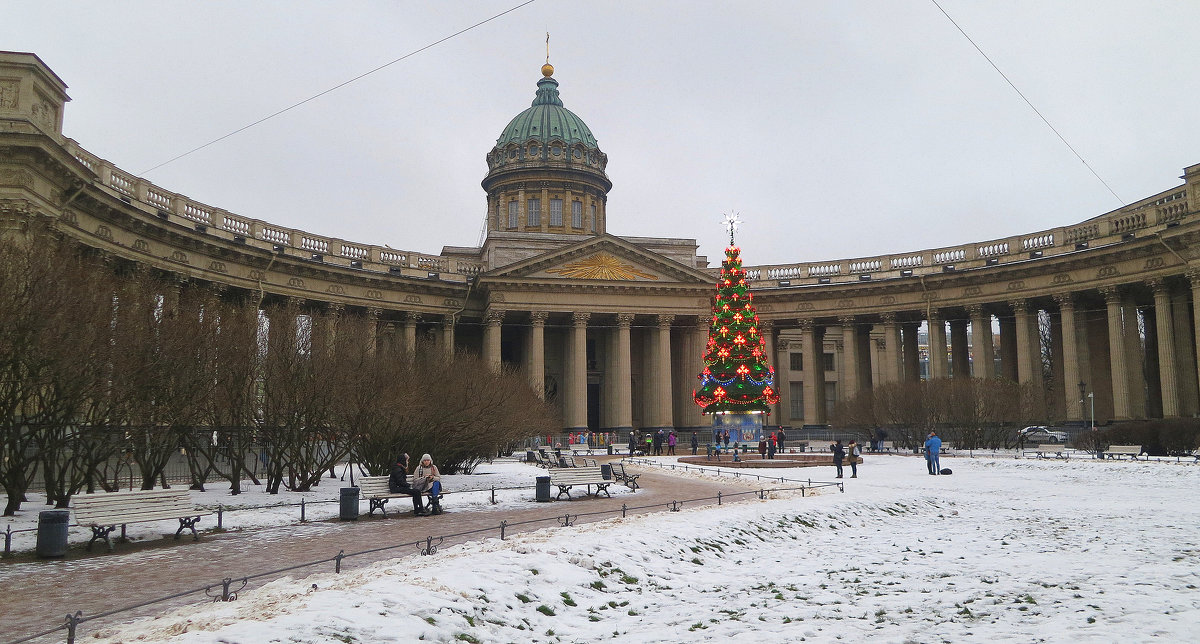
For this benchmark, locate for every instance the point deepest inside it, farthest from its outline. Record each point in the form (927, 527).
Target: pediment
(603, 258)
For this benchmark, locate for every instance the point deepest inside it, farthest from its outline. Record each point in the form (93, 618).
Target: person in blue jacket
(933, 447)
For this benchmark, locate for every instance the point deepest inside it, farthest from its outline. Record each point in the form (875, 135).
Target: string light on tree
(736, 377)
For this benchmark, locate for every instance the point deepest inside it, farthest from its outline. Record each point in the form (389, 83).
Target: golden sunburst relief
(601, 267)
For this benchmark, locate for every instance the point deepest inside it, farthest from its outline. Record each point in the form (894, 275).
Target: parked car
(1041, 434)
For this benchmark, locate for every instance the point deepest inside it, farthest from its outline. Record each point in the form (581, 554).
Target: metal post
(220, 516)
(7, 540)
(337, 561)
(503, 527)
(72, 623)
(302, 513)
(493, 495)
(718, 498)
(623, 510)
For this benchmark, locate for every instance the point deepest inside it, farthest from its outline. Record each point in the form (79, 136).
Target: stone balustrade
(177, 208)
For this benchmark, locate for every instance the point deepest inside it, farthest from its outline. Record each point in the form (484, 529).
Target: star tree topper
(731, 223)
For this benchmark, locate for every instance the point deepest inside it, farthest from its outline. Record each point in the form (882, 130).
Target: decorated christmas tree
(736, 377)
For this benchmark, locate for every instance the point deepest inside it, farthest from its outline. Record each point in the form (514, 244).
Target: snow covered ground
(1002, 551)
(254, 508)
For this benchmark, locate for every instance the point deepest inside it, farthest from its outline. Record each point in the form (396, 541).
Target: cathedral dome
(547, 119)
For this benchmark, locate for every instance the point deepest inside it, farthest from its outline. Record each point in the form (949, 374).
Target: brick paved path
(39, 594)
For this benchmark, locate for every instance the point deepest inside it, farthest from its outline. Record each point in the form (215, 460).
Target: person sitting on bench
(399, 484)
(428, 479)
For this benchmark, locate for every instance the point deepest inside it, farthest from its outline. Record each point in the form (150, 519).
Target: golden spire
(547, 69)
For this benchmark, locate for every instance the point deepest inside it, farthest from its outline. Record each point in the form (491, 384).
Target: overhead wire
(1027, 101)
(336, 87)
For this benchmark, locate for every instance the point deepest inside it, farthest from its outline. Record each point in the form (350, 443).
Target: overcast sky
(837, 129)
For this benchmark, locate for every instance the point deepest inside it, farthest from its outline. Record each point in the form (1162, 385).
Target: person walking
(933, 447)
(726, 439)
(695, 443)
(671, 440)
(649, 444)
(855, 455)
(632, 441)
(839, 454)
(771, 447)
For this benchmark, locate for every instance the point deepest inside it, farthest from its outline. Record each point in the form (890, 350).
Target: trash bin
(543, 489)
(529, 457)
(610, 450)
(606, 471)
(349, 508)
(52, 532)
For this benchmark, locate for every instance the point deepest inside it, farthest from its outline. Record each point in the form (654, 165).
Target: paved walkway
(39, 594)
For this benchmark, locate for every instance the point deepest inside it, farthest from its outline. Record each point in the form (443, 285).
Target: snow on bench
(1058, 450)
(103, 512)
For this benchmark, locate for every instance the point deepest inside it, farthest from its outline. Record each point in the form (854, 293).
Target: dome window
(513, 209)
(556, 150)
(533, 213)
(556, 212)
(576, 211)
(578, 155)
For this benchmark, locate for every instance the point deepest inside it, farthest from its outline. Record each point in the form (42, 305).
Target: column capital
(449, 320)
(935, 315)
(624, 320)
(293, 302)
(782, 345)
(374, 313)
(888, 317)
(1019, 306)
(334, 310)
(1193, 274)
(494, 317)
(704, 322)
(1112, 294)
(847, 320)
(580, 319)
(663, 320)
(1157, 285)
(805, 325)
(764, 325)
(411, 317)
(538, 318)
(1065, 300)
(976, 311)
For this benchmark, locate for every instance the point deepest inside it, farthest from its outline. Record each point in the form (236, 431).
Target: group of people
(425, 480)
(768, 445)
(851, 453)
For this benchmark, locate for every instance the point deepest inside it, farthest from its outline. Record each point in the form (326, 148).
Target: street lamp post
(1082, 395)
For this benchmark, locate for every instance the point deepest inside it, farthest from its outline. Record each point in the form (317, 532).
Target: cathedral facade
(612, 328)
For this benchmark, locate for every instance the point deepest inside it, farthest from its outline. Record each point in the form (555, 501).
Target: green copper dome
(547, 120)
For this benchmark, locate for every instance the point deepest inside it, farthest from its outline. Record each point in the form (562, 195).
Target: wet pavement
(40, 593)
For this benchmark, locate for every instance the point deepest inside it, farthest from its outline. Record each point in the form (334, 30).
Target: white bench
(577, 448)
(886, 446)
(566, 478)
(1058, 450)
(1117, 451)
(377, 490)
(103, 512)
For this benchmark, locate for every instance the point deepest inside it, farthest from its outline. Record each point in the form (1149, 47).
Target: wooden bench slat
(104, 511)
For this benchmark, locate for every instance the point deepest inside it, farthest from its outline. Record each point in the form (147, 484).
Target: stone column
(535, 364)
(1185, 362)
(448, 322)
(1070, 358)
(938, 366)
(1116, 353)
(984, 361)
(373, 315)
(325, 337)
(960, 353)
(814, 373)
(766, 331)
(849, 378)
(660, 378)
(492, 329)
(575, 405)
(1133, 359)
(699, 334)
(623, 374)
(783, 379)
(1026, 360)
(890, 371)
(1166, 349)
(409, 333)
(912, 352)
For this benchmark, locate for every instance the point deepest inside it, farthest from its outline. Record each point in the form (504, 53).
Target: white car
(1040, 434)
